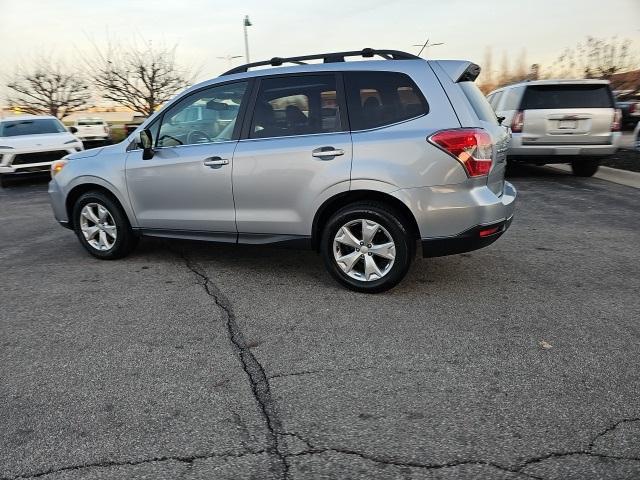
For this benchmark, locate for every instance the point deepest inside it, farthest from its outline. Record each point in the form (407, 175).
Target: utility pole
(247, 23)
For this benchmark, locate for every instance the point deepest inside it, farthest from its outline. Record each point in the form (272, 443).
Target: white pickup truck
(92, 129)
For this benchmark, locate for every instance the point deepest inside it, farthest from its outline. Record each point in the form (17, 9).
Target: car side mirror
(73, 129)
(146, 140)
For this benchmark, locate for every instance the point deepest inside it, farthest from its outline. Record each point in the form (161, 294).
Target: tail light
(470, 146)
(617, 119)
(518, 122)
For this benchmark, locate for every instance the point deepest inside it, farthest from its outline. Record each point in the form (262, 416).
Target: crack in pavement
(517, 469)
(189, 459)
(257, 377)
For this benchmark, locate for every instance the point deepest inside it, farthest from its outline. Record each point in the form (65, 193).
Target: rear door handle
(215, 162)
(323, 152)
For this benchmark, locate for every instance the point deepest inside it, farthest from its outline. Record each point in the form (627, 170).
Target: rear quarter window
(512, 98)
(376, 99)
(478, 102)
(567, 96)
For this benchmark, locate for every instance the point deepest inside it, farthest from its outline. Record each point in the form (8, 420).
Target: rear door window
(567, 96)
(296, 105)
(376, 99)
(478, 102)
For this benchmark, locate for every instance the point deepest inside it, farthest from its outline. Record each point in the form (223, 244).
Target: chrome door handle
(327, 152)
(215, 162)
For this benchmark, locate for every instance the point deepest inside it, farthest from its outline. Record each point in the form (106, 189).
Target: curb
(614, 175)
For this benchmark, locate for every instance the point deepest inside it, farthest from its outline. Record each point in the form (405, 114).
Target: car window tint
(296, 105)
(567, 96)
(376, 99)
(206, 116)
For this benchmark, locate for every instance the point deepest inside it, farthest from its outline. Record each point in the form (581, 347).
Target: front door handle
(325, 152)
(215, 162)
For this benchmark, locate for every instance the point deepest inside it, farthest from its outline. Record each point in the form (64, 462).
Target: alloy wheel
(98, 227)
(364, 250)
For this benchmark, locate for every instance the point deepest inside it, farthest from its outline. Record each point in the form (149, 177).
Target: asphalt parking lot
(194, 361)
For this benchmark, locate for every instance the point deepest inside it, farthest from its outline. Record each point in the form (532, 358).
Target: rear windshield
(567, 96)
(14, 128)
(90, 122)
(478, 102)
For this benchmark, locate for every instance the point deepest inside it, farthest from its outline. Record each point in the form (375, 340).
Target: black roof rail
(332, 57)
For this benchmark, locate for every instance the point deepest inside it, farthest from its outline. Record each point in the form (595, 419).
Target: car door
(294, 154)
(186, 186)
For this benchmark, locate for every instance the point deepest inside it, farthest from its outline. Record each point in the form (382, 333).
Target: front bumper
(57, 201)
(28, 168)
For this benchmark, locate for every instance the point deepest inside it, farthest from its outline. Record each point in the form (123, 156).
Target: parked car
(358, 160)
(135, 122)
(92, 130)
(560, 121)
(630, 110)
(30, 143)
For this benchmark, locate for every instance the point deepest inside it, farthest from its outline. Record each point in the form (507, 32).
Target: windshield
(38, 126)
(567, 96)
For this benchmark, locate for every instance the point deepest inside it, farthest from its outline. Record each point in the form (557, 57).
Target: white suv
(30, 143)
(92, 129)
(560, 121)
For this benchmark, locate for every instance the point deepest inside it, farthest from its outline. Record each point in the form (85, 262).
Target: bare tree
(595, 58)
(486, 74)
(48, 87)
(139, 78)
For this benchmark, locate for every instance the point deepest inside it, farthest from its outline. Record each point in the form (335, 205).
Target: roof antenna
(426, 45)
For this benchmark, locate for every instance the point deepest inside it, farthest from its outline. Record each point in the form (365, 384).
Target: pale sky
(206, 29)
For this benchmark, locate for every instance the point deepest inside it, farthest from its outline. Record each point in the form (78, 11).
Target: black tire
(125, 240)
(396, 227)
(3, 181)
(585, 168)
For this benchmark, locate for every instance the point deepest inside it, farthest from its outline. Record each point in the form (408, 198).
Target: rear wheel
(585, 168)
(102, 227)
(366, 247)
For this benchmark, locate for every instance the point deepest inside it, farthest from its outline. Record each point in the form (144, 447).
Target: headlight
(57, 166)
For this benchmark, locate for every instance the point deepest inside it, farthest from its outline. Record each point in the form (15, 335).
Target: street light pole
(247, 23)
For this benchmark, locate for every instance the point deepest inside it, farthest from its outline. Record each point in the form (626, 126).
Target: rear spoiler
(459, 70)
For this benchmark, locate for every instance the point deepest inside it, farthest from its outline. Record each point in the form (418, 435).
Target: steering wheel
(197, 136)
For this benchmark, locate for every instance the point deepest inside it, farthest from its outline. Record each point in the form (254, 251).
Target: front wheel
(367, 247)
(585, 168)
(102, 227)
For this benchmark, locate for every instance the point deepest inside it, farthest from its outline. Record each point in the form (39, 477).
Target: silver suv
(560, 121)
(359, 160)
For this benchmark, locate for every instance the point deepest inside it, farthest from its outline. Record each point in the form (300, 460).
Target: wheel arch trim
(87, 183)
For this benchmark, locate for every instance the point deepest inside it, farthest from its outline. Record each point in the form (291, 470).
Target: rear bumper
(518, 149)
(473, 239)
